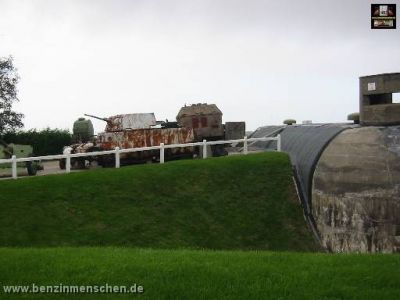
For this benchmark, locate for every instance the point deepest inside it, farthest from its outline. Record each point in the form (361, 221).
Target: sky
(260, 61)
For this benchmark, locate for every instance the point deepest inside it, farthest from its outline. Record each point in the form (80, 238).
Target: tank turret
(128, 121)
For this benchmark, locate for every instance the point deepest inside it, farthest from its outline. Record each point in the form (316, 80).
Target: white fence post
(161, 153)
(68, 162)
(278, 143)
(14, 167)
(204, 149)
(117, 160)
(67, 152)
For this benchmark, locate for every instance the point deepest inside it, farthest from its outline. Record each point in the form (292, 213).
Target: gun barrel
(103, 119)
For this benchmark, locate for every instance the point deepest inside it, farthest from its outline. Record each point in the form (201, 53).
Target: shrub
(45, 142)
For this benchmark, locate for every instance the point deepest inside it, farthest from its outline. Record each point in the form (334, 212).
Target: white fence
(117, 151)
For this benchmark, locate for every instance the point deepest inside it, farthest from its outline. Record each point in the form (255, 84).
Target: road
(49, 167)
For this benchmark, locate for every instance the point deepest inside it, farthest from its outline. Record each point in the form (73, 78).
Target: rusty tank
(193, 124)
(132, 131)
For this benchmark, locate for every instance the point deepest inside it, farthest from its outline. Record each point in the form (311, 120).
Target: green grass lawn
(197, 274)
(183, 230)
(239, 202)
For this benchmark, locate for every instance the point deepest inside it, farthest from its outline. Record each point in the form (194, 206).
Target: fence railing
(117, 151)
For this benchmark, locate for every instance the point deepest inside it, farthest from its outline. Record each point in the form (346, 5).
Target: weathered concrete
(383, 114)
(356, 191)
(376, 107)
(204, 119)
(235, 130)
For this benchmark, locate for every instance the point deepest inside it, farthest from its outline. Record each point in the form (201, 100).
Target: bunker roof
(304, 144)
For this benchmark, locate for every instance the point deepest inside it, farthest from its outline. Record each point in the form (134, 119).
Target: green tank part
(82, 130)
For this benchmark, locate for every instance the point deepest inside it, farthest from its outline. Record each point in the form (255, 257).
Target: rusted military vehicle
(194, 123)
(131, 131)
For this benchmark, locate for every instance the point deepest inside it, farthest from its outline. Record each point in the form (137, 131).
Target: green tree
(45, 142)
(9, 119)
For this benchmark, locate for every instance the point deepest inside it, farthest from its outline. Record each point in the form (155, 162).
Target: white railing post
(67, 151)
(161, 153)
(117, 160)
(245, 145)
(14, 167)
(68, 162)
(204, 149)
(278, 143)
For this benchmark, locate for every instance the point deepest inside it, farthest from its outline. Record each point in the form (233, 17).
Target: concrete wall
(235, 130)
(356, 191)
(376, 107)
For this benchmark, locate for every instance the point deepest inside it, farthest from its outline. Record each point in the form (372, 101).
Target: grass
(98, 228)
(199, 274)
(240, 202)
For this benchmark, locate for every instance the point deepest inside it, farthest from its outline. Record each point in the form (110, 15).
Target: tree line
(45, 142)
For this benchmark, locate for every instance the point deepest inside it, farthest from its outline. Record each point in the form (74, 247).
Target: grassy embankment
(210, 206)
(242, 202)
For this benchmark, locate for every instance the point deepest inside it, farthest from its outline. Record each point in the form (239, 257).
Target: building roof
(198, 109)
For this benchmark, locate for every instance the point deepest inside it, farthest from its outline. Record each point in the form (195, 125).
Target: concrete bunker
(376, 99)
(348, 175)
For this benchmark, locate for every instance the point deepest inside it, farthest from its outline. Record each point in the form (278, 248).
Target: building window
(195, 122)
(203, 121)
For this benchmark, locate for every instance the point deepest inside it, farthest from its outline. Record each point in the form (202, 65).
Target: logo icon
(383, 16)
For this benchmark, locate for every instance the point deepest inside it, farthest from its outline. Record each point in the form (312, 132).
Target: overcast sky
(259, 61)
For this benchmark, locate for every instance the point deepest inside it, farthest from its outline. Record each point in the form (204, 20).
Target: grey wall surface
(304, 144)
(356, 191)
